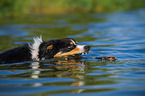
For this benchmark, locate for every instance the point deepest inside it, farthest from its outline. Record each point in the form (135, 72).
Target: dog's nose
(87, 47)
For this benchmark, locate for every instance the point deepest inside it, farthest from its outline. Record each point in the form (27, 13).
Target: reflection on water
(65, 69)
(54, 73)
(73, 69)
(119, 34)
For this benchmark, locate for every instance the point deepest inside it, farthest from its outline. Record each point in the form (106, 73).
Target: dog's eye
(71, 46)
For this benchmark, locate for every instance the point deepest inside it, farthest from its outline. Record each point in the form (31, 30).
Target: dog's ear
(46, 50)
(49, 47)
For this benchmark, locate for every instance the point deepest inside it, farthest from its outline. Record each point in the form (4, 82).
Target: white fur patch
(81, 48)
(35, 47)
(73, 42)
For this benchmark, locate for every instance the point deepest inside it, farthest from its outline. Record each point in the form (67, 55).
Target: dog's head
(58, 48)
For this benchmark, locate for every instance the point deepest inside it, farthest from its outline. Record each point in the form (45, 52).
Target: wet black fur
(18, 54)
(23, 53)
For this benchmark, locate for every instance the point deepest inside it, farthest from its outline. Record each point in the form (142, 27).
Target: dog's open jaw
(78, 50)
(35, 47)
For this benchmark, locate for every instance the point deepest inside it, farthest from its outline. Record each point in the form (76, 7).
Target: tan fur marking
(74, 51)
(50, 47)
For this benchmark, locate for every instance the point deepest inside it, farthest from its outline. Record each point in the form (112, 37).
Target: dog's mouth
(79, 54)
(76, 56)
(76, 52)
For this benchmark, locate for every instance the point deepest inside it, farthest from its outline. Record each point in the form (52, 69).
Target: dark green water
(120, 34)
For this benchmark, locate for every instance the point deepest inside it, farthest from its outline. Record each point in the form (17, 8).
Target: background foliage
(28, 7)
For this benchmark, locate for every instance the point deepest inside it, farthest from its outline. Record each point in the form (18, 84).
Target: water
(119, 34)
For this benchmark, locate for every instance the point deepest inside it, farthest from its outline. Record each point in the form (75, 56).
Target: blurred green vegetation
(27, 7)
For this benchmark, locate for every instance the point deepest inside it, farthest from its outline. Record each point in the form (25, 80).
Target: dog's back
(18, 54)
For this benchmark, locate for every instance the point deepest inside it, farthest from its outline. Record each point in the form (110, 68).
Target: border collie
(41, 50)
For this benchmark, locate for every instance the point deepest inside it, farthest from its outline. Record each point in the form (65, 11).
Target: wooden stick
(106, 58)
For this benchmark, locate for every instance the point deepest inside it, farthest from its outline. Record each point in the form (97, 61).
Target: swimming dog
(41, 50)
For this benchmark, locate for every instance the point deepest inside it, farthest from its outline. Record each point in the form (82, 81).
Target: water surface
(119, 34)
